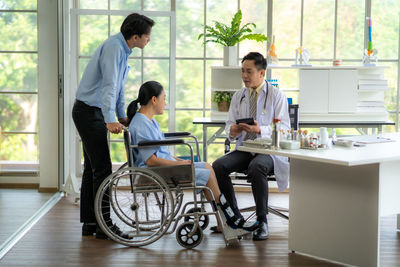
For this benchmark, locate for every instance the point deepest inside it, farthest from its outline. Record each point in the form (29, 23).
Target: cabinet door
(342, 91)
(314, 91)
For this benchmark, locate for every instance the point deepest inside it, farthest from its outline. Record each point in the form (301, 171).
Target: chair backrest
(294, 116)
(128, 150)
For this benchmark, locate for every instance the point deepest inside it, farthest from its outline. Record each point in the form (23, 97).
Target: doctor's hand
(255, 128)
(114, 127)
(235, 130)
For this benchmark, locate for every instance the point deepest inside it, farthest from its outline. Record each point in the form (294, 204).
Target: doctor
(263, 102)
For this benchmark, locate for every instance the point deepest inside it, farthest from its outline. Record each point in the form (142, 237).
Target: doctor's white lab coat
(274, 106)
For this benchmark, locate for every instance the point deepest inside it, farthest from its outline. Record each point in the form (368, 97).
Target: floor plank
(56, 241)
(17, 206)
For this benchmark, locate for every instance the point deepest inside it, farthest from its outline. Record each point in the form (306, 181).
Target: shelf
(314, 67)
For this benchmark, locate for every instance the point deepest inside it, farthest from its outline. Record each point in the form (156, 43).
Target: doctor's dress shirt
(102, 83)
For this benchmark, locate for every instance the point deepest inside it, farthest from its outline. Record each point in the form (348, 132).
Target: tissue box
(289, 144)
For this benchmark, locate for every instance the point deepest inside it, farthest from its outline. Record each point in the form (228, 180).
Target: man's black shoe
(261, 233)
(88, 229)
(101, 235)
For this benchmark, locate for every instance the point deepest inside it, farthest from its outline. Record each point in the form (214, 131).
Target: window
(18, 86)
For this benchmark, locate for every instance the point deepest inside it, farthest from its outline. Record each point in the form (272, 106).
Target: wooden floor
(17, 206)
(56, 241)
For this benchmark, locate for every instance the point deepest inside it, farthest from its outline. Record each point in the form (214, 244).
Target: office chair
(279, 211)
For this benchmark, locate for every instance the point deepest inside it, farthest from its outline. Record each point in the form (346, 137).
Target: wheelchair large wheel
(136, 202)
(186, 238)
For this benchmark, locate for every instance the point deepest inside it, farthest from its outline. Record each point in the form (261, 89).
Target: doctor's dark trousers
(89, 122)
(258, 166)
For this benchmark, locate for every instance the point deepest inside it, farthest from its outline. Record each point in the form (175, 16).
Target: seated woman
(143, 127)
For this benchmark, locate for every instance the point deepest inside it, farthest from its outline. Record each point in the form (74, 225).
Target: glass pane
(134, 81)
(215, 12)
(18, 32)
(159, 40)
(390, 128)
(189, 21)
(157, 70)
(254, 12)
(93, 4)
(189, 84)
(391, 93)
(350, 29)
(82, 66)
(116, 22)
(18, 72)
(184, 123)
(19, 112)
(286, 27)
(117, 152)
(18, 5)
(125, 5)
(385, 28)
(157, 5)
(19, 148)
(319, 28)
(93, 32)
(163, 121)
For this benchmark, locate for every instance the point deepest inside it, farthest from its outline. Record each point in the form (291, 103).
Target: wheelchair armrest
(167, 135)
(160, 142)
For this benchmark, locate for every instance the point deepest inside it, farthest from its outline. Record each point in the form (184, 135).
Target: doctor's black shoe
(261, 233)
(88, 229)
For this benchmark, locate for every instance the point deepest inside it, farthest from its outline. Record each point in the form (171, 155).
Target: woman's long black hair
(146, 92)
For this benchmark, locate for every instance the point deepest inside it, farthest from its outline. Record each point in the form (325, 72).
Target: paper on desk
(368, 139)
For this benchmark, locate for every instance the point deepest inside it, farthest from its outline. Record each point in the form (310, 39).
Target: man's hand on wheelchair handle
(114, 127)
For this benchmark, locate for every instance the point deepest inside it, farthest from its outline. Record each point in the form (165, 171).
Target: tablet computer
(249, 121)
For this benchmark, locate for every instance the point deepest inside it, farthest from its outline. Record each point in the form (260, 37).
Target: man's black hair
(259, 60)
(136, 24)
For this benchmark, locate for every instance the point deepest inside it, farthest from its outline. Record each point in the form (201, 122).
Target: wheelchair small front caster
(184, 237)
(204, 220)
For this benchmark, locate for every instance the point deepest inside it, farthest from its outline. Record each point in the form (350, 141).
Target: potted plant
(229, 36)
(222, 99)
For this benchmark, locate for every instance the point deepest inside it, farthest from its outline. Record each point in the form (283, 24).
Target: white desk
(336, 198)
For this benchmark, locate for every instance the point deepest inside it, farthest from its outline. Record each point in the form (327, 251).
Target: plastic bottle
(324, 135)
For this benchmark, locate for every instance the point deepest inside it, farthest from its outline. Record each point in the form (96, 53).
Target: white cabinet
(340, 94)
(328, 91)
(224, 79)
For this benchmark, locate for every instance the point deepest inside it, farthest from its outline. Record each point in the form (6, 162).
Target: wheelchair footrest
(230, 235)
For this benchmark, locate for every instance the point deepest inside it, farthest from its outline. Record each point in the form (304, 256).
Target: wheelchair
(146, 203)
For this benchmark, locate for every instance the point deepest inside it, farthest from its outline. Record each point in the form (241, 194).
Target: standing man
(99, 102)
(263, 102)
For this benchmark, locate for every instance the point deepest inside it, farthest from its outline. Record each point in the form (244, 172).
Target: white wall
(48, 93)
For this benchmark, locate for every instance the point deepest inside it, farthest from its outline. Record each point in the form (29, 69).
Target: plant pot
(223, 106)
(230, 55)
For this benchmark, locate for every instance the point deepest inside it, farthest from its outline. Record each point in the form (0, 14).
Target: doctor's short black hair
(259, 60)
(136, 24)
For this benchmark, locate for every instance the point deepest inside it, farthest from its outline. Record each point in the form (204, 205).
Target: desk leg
(204, 143)
(398, 222)
(334, 211)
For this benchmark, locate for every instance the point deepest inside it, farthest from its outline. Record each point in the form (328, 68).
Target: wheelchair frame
(144, 203)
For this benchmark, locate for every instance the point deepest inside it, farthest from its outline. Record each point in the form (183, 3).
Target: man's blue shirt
(102, 83)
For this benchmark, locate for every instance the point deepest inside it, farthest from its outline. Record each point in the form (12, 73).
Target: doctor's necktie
(253, 112)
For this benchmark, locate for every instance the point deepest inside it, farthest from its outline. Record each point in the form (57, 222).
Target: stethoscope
(264, 111)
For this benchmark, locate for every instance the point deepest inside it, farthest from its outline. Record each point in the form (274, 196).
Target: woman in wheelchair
(143, 127)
